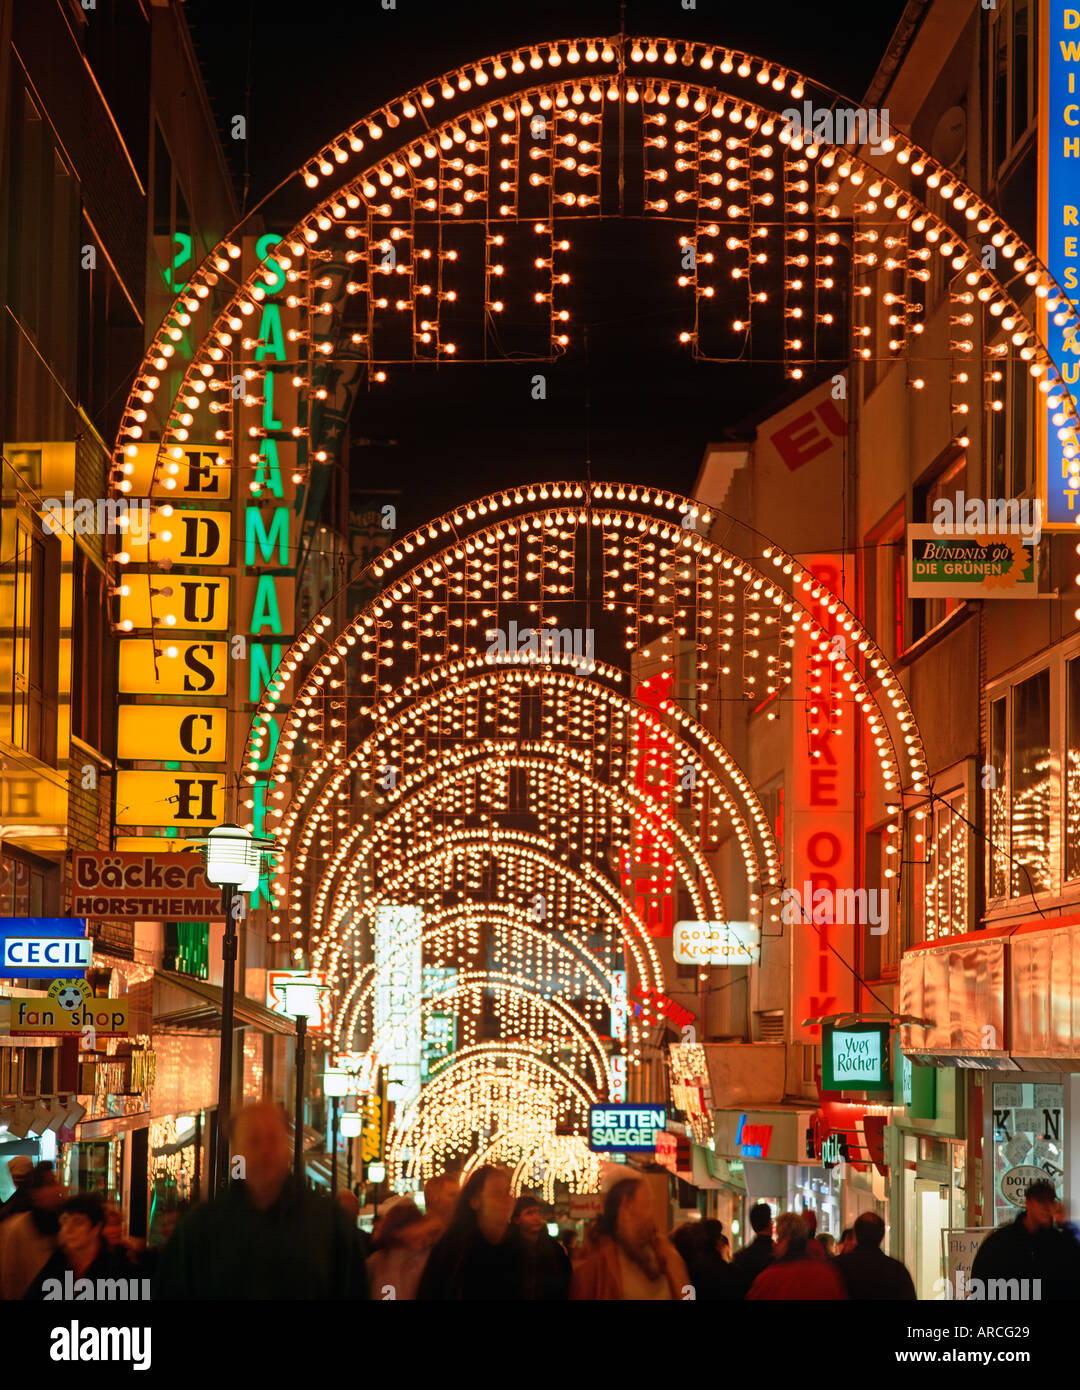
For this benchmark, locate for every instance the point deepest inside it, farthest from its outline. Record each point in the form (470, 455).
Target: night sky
(631, 404)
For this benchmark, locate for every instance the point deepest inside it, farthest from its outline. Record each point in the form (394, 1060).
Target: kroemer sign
(625, 1128)
(44, 948)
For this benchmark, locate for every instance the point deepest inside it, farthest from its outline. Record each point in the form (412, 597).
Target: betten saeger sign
(625, 1128)
(44, 948)
(172, 886)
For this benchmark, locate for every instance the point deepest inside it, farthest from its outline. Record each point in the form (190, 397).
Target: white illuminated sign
(618, 1005)
(399, 993)
(716, 943)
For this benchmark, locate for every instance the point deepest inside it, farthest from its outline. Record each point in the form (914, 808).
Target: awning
(204, 1016)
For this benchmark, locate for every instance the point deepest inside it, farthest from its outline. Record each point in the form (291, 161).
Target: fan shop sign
(145, 887)
(50, 1016)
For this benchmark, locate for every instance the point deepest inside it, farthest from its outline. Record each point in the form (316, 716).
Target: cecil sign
(43, 948)
(856, 1058)
(625, 1129)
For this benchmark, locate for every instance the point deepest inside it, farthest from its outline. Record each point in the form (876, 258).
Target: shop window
(1027, 1132)
(1031, 789)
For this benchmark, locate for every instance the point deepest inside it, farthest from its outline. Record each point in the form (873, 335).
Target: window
(1010, 435)
(1013, 79)
(1072, 768)
(881, 927)
(998, 795)
(946, 840)
(1031, 785)
(1022, 787)
(886, 580)
(928, 613)
(27, 885)
(30, 722)
(93, 685)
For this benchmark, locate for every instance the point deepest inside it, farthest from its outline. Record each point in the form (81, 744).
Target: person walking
(714, 1279)
(20, 1170)
(474, 1260)
(752, 1258)
(28, 1240)
(545, 1265)
(84, 1250)
(1033, 1247)
(267, 1236)
(869, 1273)
(795, 1273)
(400, 1252)
(631, 1260)
(441, 1195)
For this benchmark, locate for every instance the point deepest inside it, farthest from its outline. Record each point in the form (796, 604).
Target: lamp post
(335, 1085)
(352, 1122)
(233, 858)
(301, 999)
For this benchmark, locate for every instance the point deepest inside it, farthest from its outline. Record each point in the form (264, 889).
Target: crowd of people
(269, 1236)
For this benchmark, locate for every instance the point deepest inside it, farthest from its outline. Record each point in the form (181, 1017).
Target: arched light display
(501, 794)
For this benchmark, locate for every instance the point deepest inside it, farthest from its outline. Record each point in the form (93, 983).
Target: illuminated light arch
(730, 90)
(730, 104)
(469, 981)
(453, 1102)
(520, 845)
(683, 749)
(503, 915)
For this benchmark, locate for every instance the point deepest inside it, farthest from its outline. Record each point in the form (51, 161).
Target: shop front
(998, 1013)
(770, 1146)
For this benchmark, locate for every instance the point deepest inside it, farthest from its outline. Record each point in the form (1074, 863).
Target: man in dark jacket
(268, 1236)
(867, 1271)
(753, 1258)
(1033, 1247)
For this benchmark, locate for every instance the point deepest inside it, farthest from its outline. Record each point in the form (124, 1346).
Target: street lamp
(335, 1085)
(352, 1124)
(233, 859)
(301, 999)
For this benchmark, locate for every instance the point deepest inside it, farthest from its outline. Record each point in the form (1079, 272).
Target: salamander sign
(625, 1129)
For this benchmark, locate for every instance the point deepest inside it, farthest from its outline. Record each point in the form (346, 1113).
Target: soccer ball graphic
(69, 997)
